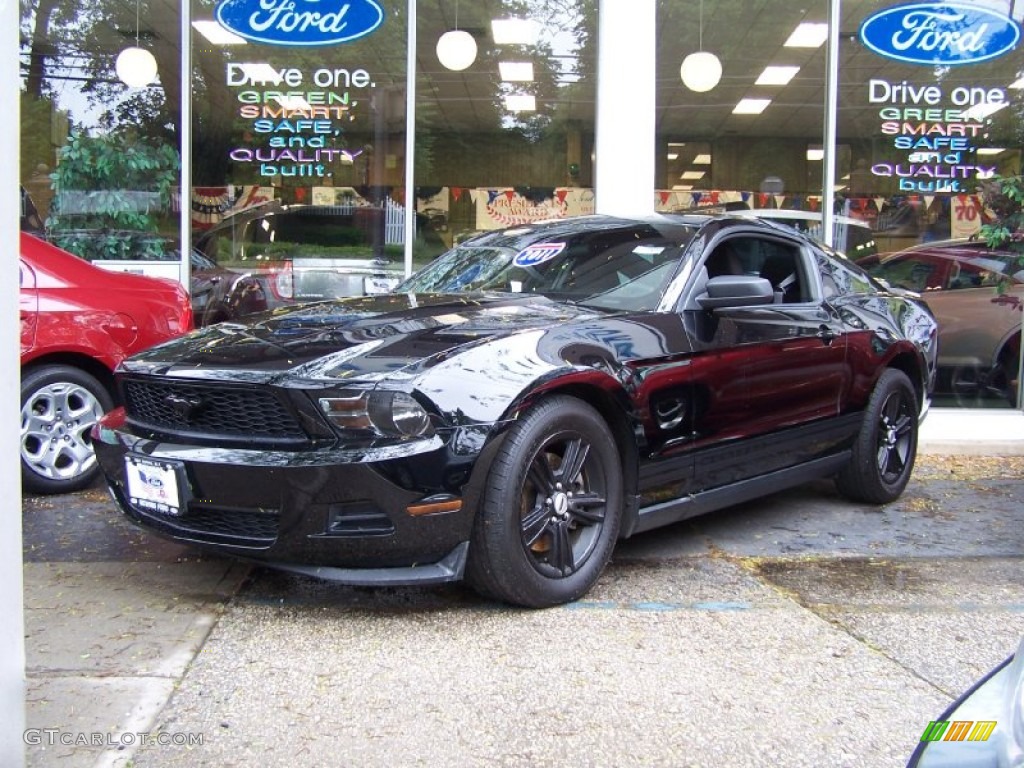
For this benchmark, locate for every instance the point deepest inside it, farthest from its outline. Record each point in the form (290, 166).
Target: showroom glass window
(504, 136)
(100, 158)
(741, 124)
(299, 141)
(930, 107)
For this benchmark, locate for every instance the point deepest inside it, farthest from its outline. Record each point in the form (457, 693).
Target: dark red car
(77, 323)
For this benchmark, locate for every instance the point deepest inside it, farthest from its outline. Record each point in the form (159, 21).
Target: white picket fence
(394, 222)
(394, 219)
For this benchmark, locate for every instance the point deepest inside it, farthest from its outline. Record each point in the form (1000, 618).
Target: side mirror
(736, 291)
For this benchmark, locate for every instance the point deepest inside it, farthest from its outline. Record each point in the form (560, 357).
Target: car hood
(358, 339)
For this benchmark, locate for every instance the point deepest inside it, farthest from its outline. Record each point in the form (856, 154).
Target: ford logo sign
(300, 22)
(939, 33)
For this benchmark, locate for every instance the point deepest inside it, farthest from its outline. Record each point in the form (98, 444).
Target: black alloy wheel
(886, 446)
(974, 387)
(551, 510)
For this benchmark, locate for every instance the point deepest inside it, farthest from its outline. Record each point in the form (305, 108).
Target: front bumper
(354, 517)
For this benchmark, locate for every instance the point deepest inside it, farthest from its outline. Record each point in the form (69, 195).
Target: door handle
(826, 334)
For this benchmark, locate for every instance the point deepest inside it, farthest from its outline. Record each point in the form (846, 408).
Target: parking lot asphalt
(798, 630)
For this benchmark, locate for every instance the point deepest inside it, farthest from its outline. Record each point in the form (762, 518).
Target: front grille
(253, 529)
(205, 409)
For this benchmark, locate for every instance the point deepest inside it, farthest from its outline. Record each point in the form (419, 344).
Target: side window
(780, 263)
(912, 274)
(977, 273)
(782, 266)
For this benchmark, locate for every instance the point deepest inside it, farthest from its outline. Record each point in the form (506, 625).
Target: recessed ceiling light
(815, 154)
(520, 102)
(751, 106)
(808, 34)
(217, 34)
(514, 31)
(775, 75)
(702, 159)
(516, 71)
(991, 150)
(682, 187)
(1018, 83)
(693, 175)
(673, 155)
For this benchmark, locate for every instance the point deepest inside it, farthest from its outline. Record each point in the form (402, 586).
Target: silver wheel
(59, 407)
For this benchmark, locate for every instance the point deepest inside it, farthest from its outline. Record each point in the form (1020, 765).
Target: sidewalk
(976, 432)
(116, 618)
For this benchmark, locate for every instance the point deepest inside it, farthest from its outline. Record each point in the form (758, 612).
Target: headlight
(392, 414)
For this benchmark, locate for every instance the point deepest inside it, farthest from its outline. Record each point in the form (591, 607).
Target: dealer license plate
(154, 485)
(374, 286)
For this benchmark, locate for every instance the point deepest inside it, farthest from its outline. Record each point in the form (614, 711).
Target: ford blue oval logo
(939, 33)
(300, 22)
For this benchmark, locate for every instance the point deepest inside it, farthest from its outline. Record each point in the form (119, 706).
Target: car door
(780, 368)
(28, 308)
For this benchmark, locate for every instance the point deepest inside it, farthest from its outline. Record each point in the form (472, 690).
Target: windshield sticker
(649, 252)
(537, 253)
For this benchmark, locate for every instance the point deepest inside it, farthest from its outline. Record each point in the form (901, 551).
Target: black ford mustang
(530, 397)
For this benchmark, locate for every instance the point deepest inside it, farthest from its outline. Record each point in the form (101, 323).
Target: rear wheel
(975, 387)
(886, 446)
(59, 405)
(550, 513)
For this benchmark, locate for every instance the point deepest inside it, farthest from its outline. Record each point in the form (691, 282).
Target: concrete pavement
(798, 631)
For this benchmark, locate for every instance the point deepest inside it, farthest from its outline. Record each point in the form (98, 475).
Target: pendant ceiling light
(136, 66)
(456, 48)
(701, 71)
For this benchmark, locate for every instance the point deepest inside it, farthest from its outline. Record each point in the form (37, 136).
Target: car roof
(783, 214)
(517, 236)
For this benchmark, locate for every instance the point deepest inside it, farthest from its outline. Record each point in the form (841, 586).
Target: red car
(77, 323)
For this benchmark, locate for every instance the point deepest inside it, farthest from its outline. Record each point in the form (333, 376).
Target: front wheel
(59, 405)
(886, 446)
(551, 508)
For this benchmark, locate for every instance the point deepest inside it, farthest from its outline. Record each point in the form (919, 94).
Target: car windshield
(628, 275)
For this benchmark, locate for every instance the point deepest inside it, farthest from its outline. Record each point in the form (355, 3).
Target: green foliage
(107, 190)
(1004, 197)
(112, 182)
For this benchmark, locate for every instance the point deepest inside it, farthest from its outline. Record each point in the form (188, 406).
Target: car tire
(544, 534)
(59, 405)
(976, 388)
(886, 446)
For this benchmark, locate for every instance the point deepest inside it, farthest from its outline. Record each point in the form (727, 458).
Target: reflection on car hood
(362, 338)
